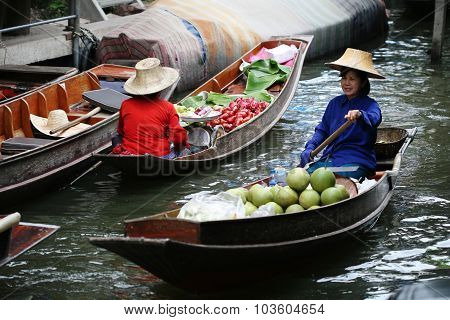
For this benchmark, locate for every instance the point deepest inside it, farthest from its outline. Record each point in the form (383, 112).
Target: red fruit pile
(238, 112)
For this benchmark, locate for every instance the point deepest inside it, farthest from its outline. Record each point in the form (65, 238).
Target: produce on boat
(232, 111)
(262, 200)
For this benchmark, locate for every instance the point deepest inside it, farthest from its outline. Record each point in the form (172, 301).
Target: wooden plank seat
(20, 144)
(15, 115)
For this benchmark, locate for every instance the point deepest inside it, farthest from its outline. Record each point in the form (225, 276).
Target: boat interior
(17, 133)
(166, 224)
(232, 80)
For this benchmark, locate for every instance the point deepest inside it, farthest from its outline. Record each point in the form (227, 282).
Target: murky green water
(411, 240)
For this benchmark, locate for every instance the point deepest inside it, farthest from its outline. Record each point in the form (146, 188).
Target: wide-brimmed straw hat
(150, 77)
(55, 119)
(356, 59)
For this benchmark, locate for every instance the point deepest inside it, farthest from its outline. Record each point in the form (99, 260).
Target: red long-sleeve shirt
(149, 125)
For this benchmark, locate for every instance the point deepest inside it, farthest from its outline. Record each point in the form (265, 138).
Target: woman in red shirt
(148, 124)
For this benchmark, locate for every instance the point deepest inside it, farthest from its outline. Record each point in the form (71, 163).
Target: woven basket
(389, 142)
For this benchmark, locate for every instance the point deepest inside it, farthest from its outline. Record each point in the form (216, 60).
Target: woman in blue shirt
(353, 147)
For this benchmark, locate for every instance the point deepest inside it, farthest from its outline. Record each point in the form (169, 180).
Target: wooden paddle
(76, 121)
(331, 138)
(104, 99)
(328, 140)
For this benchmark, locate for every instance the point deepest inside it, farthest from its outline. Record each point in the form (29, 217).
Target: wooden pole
(438, 29)
(75, 23)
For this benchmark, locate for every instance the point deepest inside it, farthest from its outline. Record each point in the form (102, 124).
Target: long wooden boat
(51, 162)
(17, 237)
(208, 255)
(18, 80)
(235, 140)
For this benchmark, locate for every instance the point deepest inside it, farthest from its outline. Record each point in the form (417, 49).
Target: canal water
(410, 242)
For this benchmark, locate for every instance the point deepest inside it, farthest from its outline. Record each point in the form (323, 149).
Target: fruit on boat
(275, 189)
(298, 179)
(343, 190)
(309, 198)
(294, 208)
(260, 195)
(249, 208)
(322, 178)
(277, 207)
(286, 197)
(330, 195)
(238, 192)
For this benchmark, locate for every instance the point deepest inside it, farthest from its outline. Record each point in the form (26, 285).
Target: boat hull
(211, 267)
(213, 254)
(33, 172)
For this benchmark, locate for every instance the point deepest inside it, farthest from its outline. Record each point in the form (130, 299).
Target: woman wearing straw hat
(353, 147)
(148, 124)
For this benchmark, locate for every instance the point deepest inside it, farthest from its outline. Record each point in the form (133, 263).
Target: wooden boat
(49, 162)
(18, 80)
(235, 140)
(208, 255)
(17, 237)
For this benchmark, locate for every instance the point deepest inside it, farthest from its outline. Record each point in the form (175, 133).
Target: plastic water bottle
(280, 175)
(272, 180)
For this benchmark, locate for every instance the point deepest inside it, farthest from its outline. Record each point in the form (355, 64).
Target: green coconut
(275, 189)
(253, 189)
(286, 197)
(343, 190)
(330, 196)
(277, 207)
(238, 192)
(298, 179)
(260, 196)
(309, 198)
(249, 208)
(294, 208)
(322, 178)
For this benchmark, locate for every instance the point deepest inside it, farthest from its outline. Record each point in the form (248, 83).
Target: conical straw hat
(356, 59)
(55, 119)
(150, 77)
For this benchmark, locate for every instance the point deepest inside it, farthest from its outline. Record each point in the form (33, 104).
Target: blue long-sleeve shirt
(355, 144)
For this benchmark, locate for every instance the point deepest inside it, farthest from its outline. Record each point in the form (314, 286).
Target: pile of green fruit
(303, 192)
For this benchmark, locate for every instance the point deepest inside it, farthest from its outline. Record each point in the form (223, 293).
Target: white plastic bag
(365, 185)
(264, 211)
(207, 207)
(283, 53)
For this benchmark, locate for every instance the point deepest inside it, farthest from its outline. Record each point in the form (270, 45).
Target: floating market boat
(211, 254)
(32, 162)
(17, 237)
(228, 81)
(18, 80)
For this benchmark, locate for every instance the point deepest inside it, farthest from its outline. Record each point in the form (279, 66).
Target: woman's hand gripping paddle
(327, 141)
